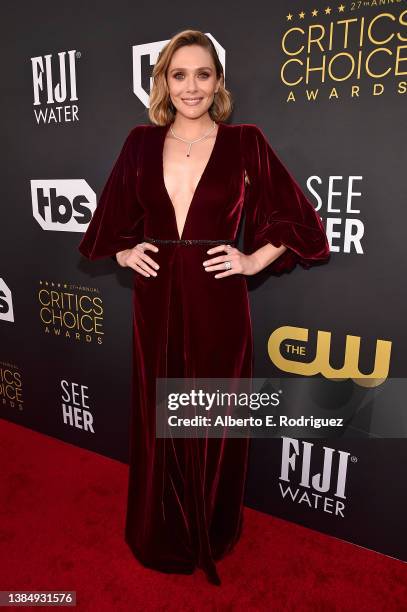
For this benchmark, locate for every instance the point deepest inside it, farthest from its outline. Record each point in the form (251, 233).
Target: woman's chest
(215, 186)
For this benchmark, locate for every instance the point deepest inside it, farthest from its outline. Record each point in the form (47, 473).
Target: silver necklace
(191, 142)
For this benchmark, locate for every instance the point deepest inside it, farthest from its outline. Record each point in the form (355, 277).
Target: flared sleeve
(277, 210)
(117, 222)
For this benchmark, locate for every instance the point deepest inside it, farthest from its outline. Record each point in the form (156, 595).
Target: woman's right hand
(137, 259)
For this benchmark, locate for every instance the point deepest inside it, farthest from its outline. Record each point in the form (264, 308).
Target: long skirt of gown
(185, 496)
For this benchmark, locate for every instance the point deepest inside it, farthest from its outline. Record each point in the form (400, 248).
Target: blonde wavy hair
(161, 109)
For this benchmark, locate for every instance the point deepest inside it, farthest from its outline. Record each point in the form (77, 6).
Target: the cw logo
(321, 364)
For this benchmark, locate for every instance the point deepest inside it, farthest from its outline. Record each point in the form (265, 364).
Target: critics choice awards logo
(71, 311)
(338, 52)
(11, 386)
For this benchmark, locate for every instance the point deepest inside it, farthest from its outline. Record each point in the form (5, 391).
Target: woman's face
(192, 81)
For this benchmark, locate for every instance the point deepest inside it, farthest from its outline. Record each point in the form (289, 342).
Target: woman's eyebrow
(201, 68)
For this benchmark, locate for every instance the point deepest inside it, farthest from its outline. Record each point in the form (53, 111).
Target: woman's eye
(201, 74)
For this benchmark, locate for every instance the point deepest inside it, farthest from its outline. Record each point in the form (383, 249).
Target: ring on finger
(228, 265)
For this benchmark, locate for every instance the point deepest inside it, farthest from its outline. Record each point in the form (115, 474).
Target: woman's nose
(191, 85)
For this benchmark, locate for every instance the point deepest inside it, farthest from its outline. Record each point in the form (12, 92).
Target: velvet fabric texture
(185, 496)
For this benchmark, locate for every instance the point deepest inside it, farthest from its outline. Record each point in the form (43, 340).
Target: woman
(171, 211)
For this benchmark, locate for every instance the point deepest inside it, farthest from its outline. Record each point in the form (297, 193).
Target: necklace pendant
(191, 142)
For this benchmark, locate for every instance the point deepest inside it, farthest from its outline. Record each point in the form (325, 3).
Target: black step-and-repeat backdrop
(327, 84)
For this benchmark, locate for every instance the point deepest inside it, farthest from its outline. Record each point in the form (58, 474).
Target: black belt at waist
(187, 242)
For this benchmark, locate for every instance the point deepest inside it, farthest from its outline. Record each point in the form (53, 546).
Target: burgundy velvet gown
(185, 496)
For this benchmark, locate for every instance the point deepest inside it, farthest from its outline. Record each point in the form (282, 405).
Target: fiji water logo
(313, 478)
(54, 87)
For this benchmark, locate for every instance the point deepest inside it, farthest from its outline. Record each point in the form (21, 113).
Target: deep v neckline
(205, 170)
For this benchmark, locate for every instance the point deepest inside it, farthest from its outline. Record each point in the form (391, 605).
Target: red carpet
(62, 517)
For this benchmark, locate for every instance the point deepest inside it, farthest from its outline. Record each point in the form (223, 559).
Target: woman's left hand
(241, 263)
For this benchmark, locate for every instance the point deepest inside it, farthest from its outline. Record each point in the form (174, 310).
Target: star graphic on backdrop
(314, 12)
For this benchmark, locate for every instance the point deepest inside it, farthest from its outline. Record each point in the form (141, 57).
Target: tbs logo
(63, 205)
(6, 303)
